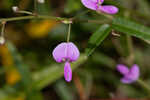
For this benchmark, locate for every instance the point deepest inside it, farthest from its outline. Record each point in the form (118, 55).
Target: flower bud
(41, 1)
(15, 8)
(2, 40)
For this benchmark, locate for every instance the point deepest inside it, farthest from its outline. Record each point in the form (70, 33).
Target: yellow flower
(12, 75)
(6, 56)
(40, 29)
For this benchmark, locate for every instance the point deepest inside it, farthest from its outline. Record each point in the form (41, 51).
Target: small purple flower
(66, 52)
(97, 5)
(129, 75)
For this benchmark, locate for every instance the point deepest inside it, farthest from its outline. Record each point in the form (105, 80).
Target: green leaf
(52, 73)
(97, 38)
(131, 28)
(63, 90)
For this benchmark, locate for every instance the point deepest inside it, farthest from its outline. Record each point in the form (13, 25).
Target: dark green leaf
(97, 38)
(131, 28)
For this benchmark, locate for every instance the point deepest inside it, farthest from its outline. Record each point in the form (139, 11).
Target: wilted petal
(72, 52)
(122, 69)
(108, 9)
(60, 52)
(67, 72)
(91, 4)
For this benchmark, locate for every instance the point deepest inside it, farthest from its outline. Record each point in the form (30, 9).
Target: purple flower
(129, 75)
(67, 72)
(66, 52)
(97, 5)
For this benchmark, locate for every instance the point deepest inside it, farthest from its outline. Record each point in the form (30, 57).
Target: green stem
(25, 12)
(35, 6)
(3, 28)
(31, 17)
(51, 17)
(130, 48)
(16, 18)
(143, 84)
(106, 15)
(130, 44)
(69, 30)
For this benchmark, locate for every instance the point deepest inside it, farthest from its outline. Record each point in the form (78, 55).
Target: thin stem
(31, 17)
(51, 17)
(143, 84)
(106, 15)
(35, 6)
(69, 30)
(3, 28)
(25, 12)
(130, 48)
(79, 87)
(16, 18)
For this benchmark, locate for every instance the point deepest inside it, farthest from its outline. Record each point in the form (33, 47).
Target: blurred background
(29, 72)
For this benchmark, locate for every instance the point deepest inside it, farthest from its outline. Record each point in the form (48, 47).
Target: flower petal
(91, 4)
(126, 81)
(134, 72)
(72, 52)
(67, 72)
(109, 9)
(101, 1)
(122, 69)
(60, 52)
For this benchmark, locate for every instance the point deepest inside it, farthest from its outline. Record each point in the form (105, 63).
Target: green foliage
(97, 38)
(52, 73)
(93, 76)
(131, 28)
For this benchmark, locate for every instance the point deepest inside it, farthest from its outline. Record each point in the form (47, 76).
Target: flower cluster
(97, 6)
(129, 75)
(66, 52)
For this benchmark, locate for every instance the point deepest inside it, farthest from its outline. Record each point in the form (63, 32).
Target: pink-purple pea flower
(66, 52)
(97, 6)
(129, 75)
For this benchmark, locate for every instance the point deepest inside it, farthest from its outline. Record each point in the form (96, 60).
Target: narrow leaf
(131, 28)
(97, 38)
(52, 73)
